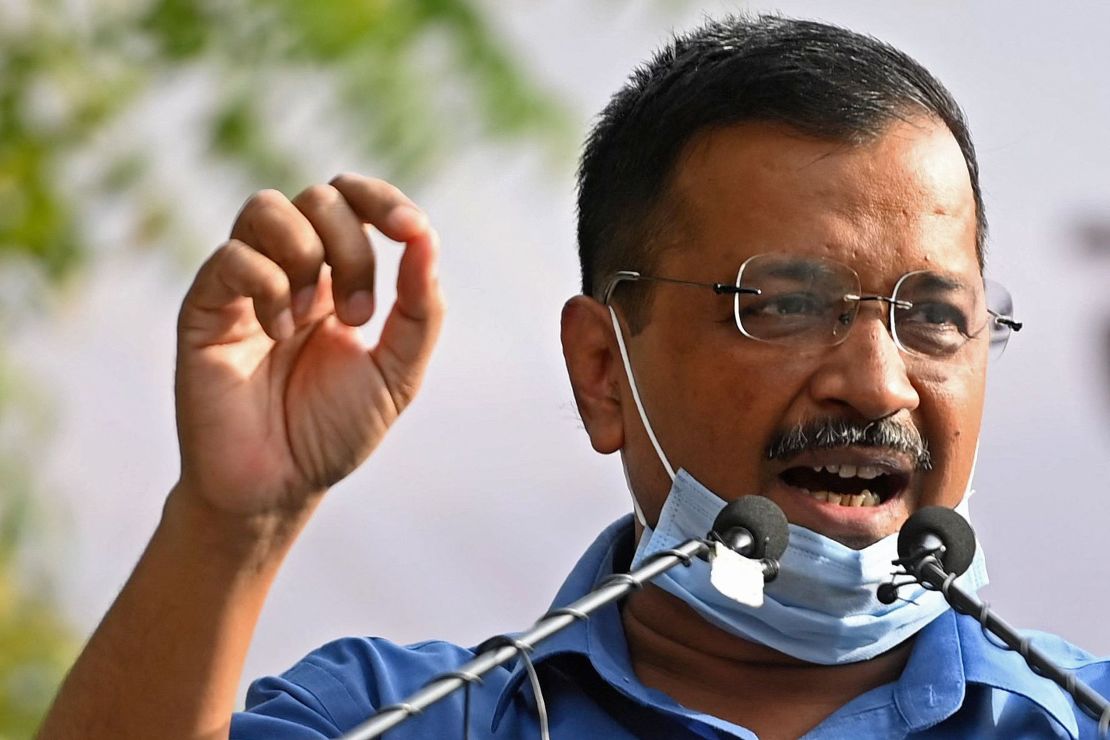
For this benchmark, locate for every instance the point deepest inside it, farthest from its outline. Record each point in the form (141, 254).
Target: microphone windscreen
(760, 516)
(947, 526)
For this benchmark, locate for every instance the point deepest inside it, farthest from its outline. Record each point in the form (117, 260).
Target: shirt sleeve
(338, 687)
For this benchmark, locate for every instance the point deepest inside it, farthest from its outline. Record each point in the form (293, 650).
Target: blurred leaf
(64, 83)
(36, 646)
(180, 28)
(415, 79)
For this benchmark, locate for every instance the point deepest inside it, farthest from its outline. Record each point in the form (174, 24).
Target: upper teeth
(867, 472)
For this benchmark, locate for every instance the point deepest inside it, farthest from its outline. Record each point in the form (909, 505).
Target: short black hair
(823, 80)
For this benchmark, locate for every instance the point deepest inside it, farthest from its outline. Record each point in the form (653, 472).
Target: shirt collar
(601, 637)
(933, 683)
(986, 663)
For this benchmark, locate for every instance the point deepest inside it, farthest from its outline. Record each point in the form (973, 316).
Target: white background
(467, 519)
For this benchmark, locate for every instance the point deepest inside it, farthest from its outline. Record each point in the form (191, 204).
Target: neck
(675, 651)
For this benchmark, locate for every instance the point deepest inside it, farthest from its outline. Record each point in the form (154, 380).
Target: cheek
(952, 396)
(723, 407)
(950, 416)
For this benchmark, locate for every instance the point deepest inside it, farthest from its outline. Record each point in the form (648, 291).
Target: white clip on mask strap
(643, 416)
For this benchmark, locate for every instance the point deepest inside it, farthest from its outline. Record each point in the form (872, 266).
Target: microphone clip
(739, 540)
(887, 593)
(910, 567)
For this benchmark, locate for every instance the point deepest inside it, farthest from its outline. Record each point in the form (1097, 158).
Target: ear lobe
(592, 364)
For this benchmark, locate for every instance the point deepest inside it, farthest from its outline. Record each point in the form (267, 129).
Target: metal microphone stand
(927, 569)
(611, 589)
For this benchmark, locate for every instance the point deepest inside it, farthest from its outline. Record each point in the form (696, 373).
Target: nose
(865, 373)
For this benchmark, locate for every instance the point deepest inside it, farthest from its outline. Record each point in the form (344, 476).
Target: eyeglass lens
(814, 301)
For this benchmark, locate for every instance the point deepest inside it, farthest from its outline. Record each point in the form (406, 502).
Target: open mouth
(847, 485)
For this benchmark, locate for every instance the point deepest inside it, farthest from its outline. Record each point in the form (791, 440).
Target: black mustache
(831, 434)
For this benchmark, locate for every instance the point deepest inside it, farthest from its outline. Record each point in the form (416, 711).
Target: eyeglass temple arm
(1007, 321)
(632, 276)
(1004, 320)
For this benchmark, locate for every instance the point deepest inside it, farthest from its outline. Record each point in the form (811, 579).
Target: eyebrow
(937, 281)
(799, 270)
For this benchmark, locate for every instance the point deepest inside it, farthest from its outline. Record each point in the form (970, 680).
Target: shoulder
(339, 685)
(1068, 655)
(1024, 692)
(1093, 669)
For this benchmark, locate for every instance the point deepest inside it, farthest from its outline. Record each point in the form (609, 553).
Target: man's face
(716, 399)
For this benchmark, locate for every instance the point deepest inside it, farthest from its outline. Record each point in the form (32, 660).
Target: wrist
(254, 536)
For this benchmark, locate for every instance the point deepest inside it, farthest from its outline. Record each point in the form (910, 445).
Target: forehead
(899, 202)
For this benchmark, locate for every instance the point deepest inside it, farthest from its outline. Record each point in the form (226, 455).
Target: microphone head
(948, 527)
(760, 516)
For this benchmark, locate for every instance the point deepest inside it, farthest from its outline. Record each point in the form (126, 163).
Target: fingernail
(303, 300)
(360, 305)
(283, 324)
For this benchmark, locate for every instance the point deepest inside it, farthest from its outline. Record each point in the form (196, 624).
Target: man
(782, 243)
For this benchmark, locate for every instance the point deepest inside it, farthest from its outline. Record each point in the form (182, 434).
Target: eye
(784, 305)
(934, 316)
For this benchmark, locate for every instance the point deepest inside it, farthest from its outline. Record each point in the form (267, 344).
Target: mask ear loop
(533, 678)
(969, 491)
(627, 364)
(537, 692)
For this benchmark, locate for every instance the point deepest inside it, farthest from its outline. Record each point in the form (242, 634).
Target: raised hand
(278, 397)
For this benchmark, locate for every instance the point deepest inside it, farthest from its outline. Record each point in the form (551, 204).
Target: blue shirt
(956, 684)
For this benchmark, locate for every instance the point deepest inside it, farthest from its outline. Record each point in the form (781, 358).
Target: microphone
(935, 546)
(753, 526)
(942, 532)
(937, 531)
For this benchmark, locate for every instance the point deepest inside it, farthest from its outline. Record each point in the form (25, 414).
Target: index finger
(383, 206)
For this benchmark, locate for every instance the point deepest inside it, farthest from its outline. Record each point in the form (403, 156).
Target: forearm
(167, 658)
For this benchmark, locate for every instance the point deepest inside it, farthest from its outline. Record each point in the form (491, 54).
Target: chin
(857, 541)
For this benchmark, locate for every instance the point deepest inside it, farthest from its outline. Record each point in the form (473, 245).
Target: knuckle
(266, 200)
(304, 254)
(230, 249)
(225, 256)
(219, 256)
(272, 284)
(318, 198)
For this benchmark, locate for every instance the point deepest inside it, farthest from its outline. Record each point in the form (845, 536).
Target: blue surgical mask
(823, 607)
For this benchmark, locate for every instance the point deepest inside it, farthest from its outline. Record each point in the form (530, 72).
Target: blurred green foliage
(405, 81)
(36, 645)
(410, 78)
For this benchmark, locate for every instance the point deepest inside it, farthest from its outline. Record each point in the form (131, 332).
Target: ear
(594, 366)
